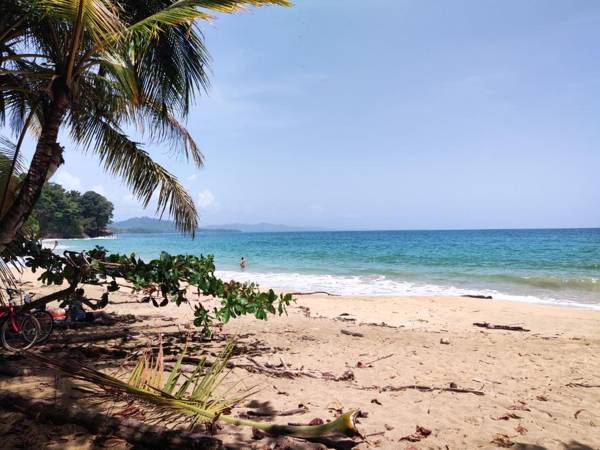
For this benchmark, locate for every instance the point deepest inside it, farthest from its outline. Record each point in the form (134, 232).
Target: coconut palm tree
(95, 69)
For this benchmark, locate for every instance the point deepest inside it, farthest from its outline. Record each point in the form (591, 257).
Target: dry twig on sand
(582, 385)
(422, 388)
(491, 326)
(352, 333)
(380, 359)
(284, 371)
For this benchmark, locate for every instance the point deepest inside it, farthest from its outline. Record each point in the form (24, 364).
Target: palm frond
(178, 13)
(93, 126)
(164, 126)
(171, 67)
(7, 280)
(196, 399)
(8, 152)
(232, 6)
(145, 177)
(124, 74)
(11, 165)
(141, 107)
(99, 17)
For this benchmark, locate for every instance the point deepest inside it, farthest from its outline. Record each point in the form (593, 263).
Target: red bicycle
(18, 330)
(44, 318)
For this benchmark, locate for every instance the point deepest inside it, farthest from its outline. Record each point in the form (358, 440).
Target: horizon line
(318, 229)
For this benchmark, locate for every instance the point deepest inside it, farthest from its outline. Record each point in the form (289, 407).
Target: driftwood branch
(54, 296)
(283, 371)
(583, 385)
(278, 371)
(291, 412)
(352, 333)
(79, 338)
(133, 431)
(491, 326)
(380, 359)
(422, 388)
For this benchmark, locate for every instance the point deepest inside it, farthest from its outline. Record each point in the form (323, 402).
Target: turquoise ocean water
(548, 266)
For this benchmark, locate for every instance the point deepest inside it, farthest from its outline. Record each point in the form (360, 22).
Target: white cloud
(67, 180)
(192, 177)
(207, 201)
(98, 188)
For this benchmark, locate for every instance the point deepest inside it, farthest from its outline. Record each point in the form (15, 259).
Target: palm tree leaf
(178, 13)
(7, 153)
(144, 383)
(125, 75)
(99, 17)
(9, 157)
(232, 6)
(172, 60)
(168, 407)
(125, 158)
(164, 126)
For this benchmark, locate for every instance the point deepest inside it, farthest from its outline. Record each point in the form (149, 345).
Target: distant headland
(150, 225)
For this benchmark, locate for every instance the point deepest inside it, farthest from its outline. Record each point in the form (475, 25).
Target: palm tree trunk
(47, 157)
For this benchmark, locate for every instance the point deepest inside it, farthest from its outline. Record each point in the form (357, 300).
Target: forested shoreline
(70, 214)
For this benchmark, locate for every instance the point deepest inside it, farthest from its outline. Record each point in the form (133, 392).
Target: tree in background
(95, 68)
(68, 214)
(96, 211)
(58, 213)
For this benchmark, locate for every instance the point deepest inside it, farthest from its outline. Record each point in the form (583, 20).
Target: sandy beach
(379, 220)
(536, 389)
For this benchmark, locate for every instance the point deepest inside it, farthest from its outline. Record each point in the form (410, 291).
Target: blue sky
(393, 114)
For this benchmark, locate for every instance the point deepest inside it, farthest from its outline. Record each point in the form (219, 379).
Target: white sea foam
(379, 286)
(62, 243)
(99, 238)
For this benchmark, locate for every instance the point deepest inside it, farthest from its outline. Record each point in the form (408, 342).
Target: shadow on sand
(107, 347)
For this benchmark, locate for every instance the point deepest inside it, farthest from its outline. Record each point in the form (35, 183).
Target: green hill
(150, 225)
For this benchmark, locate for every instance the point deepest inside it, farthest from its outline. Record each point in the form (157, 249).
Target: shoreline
(413, 289)
(419, 290)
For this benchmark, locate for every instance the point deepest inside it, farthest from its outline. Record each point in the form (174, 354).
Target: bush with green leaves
(169, 278)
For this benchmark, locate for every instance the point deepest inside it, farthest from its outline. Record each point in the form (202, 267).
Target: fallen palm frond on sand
(195, 399)
(132, 430)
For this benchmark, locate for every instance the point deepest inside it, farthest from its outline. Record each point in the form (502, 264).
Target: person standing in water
(243, 263)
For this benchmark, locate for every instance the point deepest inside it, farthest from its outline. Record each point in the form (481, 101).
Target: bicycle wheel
(28, 329)
(46, 322)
